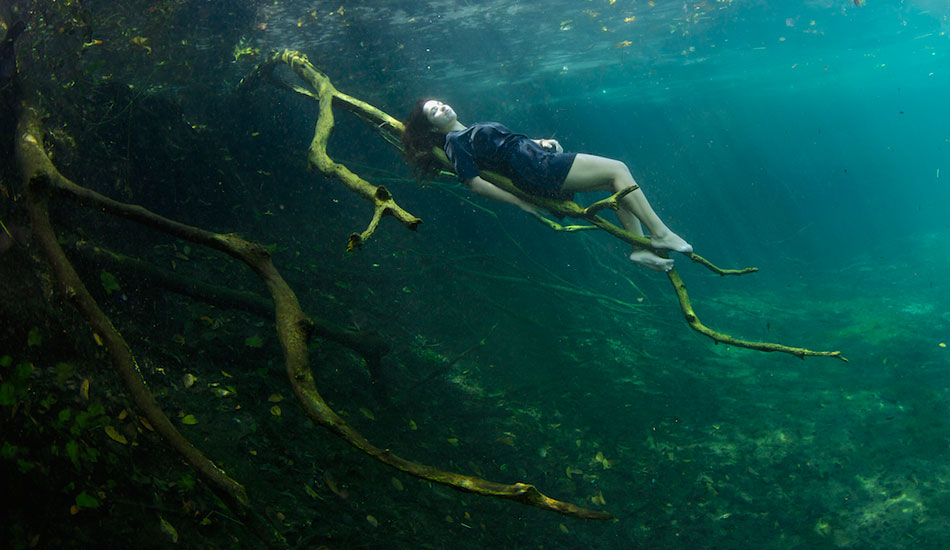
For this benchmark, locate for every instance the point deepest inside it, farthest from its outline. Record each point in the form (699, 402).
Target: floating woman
(537, 167)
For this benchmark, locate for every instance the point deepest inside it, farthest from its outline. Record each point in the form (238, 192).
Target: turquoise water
(810, 140)
(804, 140)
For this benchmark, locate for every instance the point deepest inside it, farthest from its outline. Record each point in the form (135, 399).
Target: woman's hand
(532, 209)
(551, 145)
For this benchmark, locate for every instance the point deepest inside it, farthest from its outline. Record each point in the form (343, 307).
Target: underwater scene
(234, 315)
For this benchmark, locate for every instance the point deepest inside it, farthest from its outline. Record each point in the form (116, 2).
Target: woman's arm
(488, 190)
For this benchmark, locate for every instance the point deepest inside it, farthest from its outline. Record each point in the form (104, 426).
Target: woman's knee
(593, 172)
(620, 174)
(622, 169)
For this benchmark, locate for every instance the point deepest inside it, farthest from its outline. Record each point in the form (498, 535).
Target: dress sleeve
(460, 153)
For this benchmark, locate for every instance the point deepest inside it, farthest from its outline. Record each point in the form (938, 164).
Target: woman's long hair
(418, 141)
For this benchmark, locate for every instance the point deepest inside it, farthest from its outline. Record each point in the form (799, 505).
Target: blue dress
(493, 147)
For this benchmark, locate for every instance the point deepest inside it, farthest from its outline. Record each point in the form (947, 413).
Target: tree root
(294, 331)
(390, 129)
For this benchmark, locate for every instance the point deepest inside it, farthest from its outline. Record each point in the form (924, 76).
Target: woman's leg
(593, 173)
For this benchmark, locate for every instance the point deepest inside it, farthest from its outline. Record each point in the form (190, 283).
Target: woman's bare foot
(671, 241)
(651, 260)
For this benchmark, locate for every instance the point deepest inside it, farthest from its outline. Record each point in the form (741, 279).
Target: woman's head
(440, 115)
(422, 134)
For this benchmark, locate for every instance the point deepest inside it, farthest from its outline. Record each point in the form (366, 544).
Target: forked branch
(294, 330)
(390, 129)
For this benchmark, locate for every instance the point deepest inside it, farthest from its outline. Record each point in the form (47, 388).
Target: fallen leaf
(115, 435)
(169, 530)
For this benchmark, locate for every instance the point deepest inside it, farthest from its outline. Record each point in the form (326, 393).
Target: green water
(805, 140)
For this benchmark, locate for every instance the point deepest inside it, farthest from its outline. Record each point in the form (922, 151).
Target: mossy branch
(719, 337)
(572, 209)
(367, 343)
(294, 330)
(390, 129)
(326, 95)
(39, 176)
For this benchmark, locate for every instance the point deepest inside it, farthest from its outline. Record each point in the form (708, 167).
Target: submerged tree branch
(368, 344)
(696, 325)
(39, 176)
(326, 95)
(294, 331)
(390, 128)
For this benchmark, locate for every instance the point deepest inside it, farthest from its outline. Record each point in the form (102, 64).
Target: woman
(538, 167)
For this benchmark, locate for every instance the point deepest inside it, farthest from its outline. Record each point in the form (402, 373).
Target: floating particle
(140, 41)
(572, 471)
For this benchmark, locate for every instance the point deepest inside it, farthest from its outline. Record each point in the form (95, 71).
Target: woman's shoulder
(494, 126)
(481, 131)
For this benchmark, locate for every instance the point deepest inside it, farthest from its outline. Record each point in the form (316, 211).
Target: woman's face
(439, 114)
